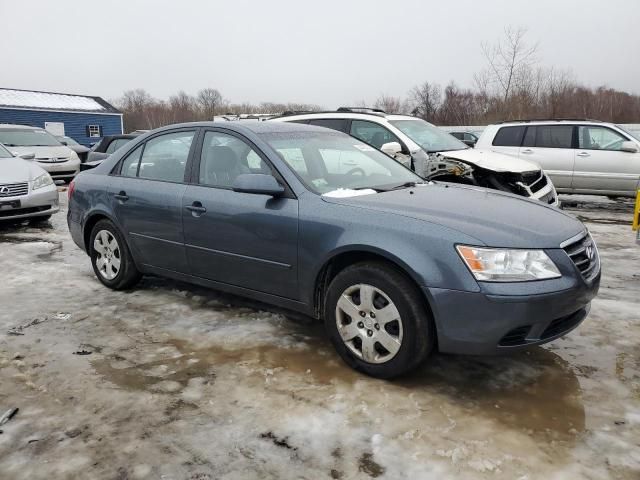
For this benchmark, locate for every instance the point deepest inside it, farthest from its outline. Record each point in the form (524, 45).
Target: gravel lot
(173, 381)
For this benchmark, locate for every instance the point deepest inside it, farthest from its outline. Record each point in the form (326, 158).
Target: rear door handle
(583, 154)
(196, 209)
(122, 196)
(527, 151)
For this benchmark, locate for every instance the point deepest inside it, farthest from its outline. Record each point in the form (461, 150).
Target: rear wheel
(377, 320)
(110, 257)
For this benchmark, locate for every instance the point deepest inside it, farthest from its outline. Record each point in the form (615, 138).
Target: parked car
(26, 189)
(60, 161)
(580, 156)
(432, 153)
(80, 150)
(395, 266)
(468, 138)
(109, 144)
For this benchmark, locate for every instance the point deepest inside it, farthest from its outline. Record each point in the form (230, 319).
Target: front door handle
(122, 196)
(196, 209)
(583, 154)
(527, 151)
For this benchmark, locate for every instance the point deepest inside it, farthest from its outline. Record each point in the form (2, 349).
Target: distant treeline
(512, 86)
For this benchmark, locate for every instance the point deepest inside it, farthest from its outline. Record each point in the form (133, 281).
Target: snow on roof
(53, 101)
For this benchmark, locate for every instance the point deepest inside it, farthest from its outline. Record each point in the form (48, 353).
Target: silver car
(59, 160)
(580, 156)
(26, 190)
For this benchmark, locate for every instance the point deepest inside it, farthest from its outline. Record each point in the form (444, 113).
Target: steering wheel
(355, 170)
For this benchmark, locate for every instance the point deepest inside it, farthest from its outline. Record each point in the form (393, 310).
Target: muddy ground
(171, 381)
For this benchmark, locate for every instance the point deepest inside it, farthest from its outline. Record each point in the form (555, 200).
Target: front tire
(377, 320)
(110, 257)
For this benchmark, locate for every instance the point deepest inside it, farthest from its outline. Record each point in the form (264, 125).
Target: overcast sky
(324, 51)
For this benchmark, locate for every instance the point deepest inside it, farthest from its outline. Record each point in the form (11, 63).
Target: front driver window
(224, 157)
(599, 138)
(372, 133)
(165, 157)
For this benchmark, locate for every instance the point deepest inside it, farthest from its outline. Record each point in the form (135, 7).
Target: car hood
(497, 162)
(59, 151)
(79, 148)
(15, 170)
(494, 218)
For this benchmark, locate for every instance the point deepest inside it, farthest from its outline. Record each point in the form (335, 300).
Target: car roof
(372, 117)
(542, 121)
(253, 127)
(9, 126)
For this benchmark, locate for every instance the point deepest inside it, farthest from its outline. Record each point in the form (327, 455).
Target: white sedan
(26, 190)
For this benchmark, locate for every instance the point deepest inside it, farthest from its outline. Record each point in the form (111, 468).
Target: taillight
(72, 187)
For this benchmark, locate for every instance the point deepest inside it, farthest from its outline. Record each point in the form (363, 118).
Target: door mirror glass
(630, 147)
(27, 156)
(469, 142)
(257, 183)
(391, 148)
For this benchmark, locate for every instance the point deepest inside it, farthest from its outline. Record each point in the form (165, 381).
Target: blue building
(85, 119)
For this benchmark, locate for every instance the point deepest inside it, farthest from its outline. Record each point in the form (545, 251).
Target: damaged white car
(433, 153)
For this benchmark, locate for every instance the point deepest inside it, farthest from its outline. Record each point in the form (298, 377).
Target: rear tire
(110, 257)
(377, 320)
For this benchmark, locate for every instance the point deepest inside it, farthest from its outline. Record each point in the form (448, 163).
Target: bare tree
(183, 107)
(210, 100)
(425, 100)
(391, 104)
(508, 60)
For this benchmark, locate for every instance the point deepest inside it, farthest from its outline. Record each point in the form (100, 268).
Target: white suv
(433, 153)
(580, 156)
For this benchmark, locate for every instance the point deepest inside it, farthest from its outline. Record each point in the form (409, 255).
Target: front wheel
(110, 257)
(377, 320)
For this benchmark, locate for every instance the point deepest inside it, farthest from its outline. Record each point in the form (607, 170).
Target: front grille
(14, 189)
(535, 181)
(584, 254)
(52, 160)
(23, 211)
(514, 337)
(563, 324)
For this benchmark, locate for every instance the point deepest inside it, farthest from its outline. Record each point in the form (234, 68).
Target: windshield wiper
(397, 187)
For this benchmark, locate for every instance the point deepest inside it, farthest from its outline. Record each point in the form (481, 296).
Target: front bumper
(62, 170)
(38, 203)
(482, 323)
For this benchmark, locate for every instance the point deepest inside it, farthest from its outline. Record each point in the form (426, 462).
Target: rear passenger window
(549, 136)
(509, 137)
(129, 167)
(372, 133)
(332, 123)
(165, 157)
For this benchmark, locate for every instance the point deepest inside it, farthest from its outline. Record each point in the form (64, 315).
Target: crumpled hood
(59, 151)
(16, 170)
(497, 162)
(495, 218)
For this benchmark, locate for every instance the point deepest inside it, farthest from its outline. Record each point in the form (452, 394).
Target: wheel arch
(90, 221)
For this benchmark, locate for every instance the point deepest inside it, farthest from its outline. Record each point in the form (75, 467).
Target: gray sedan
(395, 267)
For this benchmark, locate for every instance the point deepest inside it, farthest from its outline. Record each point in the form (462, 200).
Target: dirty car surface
(393, 265)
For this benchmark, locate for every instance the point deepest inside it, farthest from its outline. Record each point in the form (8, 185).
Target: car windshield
(4, 153)
(635, 134)
(330, 161)
(430, 138)
(27, 138)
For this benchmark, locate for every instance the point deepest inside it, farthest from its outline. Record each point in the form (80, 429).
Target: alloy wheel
(108, 258)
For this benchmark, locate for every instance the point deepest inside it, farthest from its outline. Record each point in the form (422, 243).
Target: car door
(600, 163)
(147, 198)
(551, 147)
(241, 239)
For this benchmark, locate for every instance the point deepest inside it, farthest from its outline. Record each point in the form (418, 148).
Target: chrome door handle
(196, 209)
(122, 196)
(583, 154)
(527, 151)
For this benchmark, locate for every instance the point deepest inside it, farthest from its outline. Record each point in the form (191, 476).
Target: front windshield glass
(326, 162)
(69, 140)
(28, 138)
(635, 134)
(430, 138)
(4, 153)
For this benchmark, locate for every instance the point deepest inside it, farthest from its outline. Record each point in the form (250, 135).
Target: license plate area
(8, 205)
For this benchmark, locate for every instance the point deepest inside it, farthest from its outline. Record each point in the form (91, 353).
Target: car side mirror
(469, 143)
(629, 146)
(64, 143)
(257, 183)
(391, 148)
(27, 156)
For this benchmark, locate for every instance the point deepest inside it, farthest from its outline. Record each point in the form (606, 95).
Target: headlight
(43, 180)
(505, 265)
